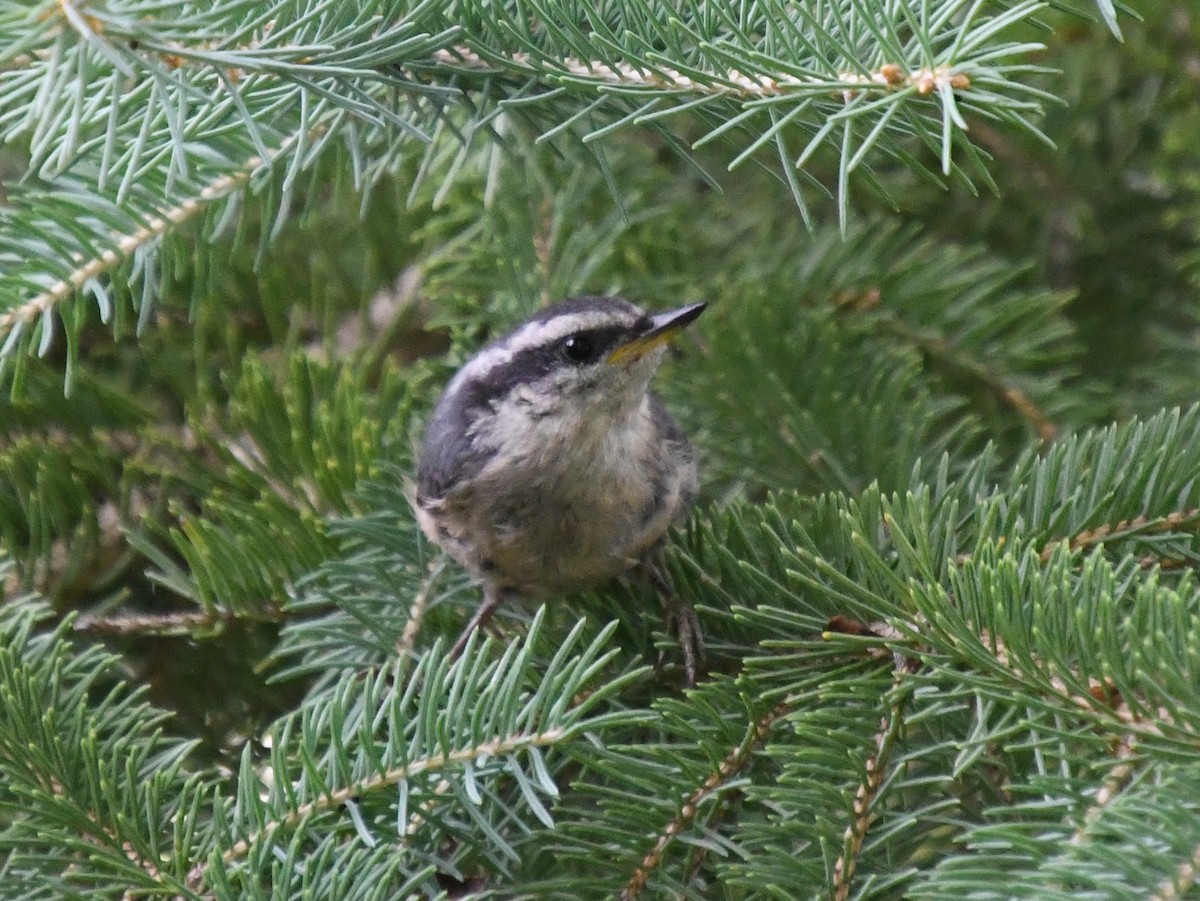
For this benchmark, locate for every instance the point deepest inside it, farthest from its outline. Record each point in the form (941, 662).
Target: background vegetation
(945, 559)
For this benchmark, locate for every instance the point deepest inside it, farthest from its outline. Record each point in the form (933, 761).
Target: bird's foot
(682, 622)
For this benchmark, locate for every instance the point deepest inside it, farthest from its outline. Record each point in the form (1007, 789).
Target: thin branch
(995, 382)
(734, 763)
(105, 837)
(416, 612)
(887, 78)
(1100, 693)
(186, 623)
(1185, 877)
(417, 819)
(1114, 782)
(498, 747)
(1126, 528)
(864, 799)
(127, 245)
(91, 31)
(247, 452)
(701, 852)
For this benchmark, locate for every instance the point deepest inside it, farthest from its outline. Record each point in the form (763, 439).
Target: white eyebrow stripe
(530, 335)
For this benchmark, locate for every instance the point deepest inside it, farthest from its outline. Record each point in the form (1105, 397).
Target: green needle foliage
(945, 556)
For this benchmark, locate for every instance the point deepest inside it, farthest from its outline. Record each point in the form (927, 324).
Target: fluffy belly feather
(571, 502)
(546, 542)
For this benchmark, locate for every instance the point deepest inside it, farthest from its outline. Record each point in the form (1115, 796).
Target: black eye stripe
(589, 345)
(534, 363)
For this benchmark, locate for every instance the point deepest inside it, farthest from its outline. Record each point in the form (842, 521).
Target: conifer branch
(416, 611)
(103, 837)
(498, 747)
(864, 798)
(1057, 711)
(124, 246)
(734, 763)
(1114, 781)
(1185, 878)
(1101, 693)
(86, 25)
(246, 451)
(1126, 528)
(417, 819)
(1119, 531)
(193, 624)
(731, 82)
(996, 383)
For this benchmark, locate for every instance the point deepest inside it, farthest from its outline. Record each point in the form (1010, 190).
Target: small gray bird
(548, 466)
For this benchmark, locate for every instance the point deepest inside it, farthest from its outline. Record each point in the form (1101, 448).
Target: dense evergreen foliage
(946, 553)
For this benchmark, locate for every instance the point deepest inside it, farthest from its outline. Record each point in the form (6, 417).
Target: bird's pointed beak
(663, 328)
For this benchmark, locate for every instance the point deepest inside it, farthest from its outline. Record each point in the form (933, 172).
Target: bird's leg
(680, 617)
(681, 620)
(492, 597)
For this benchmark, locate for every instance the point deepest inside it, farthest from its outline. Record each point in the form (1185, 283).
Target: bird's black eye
(580, 348)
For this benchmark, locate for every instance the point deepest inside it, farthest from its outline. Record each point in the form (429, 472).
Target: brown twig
(1126, 528)
(1008, 394)
(734, 763)
(1114, 782)
(416, 611)
(700, 853)
(1100, 693)
(184, 622)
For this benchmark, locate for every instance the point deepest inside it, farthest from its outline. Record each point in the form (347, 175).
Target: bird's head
(582, 356)
(567, 377)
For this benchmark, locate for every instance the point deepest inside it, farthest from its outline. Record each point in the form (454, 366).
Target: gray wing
(448, 452)
(681, 452)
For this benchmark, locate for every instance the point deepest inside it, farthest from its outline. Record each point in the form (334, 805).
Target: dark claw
(491, 600)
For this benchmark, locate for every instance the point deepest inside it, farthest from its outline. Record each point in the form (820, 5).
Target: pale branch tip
(888, 77)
